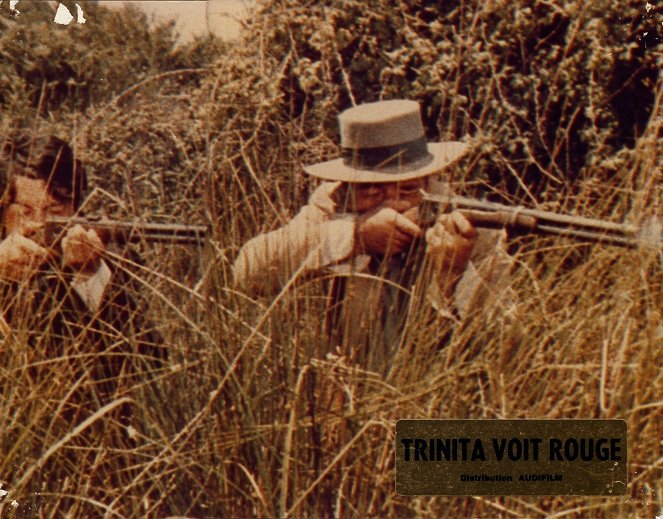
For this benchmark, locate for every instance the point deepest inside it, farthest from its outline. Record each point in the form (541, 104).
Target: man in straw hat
(364, 224)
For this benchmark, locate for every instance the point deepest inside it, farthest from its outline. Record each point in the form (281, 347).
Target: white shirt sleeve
(314, 239)
(91, 287)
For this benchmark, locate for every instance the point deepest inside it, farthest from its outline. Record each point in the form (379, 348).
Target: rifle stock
(519, 219)
(121, 232)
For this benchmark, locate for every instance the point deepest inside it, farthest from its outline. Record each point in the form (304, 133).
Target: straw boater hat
(385, 142)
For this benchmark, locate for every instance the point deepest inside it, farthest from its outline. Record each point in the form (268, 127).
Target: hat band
(384, 157)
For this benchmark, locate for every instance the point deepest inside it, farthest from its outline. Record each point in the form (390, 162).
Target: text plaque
(511, 457)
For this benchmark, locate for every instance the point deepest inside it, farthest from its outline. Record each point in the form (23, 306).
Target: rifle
(519, 219)
(121, 232)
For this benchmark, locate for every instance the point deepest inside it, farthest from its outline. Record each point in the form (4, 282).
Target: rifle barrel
(131, 232)
(489, 214)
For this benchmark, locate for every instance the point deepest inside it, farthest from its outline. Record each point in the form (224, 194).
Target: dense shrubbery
(110, 86)
(549, 93)
(54, 68)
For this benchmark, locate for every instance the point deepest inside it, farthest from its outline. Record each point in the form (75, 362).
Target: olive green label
(511, 457)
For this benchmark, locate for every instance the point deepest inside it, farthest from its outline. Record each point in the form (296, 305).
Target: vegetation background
(562, 105)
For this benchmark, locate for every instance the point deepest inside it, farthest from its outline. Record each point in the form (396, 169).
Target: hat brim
(441, 155)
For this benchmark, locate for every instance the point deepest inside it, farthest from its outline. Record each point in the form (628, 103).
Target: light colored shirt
(91, 287)
(318, 238)
(375, 303)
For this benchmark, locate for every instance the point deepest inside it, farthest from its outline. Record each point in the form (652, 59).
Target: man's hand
(82, 250)
(451, 241)
(385, 231)
(20, 257)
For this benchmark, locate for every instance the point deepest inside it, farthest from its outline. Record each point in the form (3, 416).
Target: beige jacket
(320, 240)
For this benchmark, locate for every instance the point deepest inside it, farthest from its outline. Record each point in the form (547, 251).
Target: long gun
(122, 232)
(519, 219)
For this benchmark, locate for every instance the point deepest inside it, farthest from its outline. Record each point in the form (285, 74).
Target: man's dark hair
(42, 156)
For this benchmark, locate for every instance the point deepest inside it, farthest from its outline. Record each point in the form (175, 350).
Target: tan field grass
(257, 416)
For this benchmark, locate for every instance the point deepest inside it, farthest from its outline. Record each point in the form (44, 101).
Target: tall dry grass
(315, 432)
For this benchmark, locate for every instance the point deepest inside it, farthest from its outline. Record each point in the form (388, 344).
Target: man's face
(31, 206)
(399, 196)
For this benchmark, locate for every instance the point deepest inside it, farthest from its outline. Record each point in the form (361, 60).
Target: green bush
(111, 85)
(549, 93)
(47, 67)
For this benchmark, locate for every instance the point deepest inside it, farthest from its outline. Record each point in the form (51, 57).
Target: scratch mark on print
(64, 17)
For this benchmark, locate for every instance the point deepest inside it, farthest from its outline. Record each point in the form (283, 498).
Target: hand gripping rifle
(519, 219)
(121, 232)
